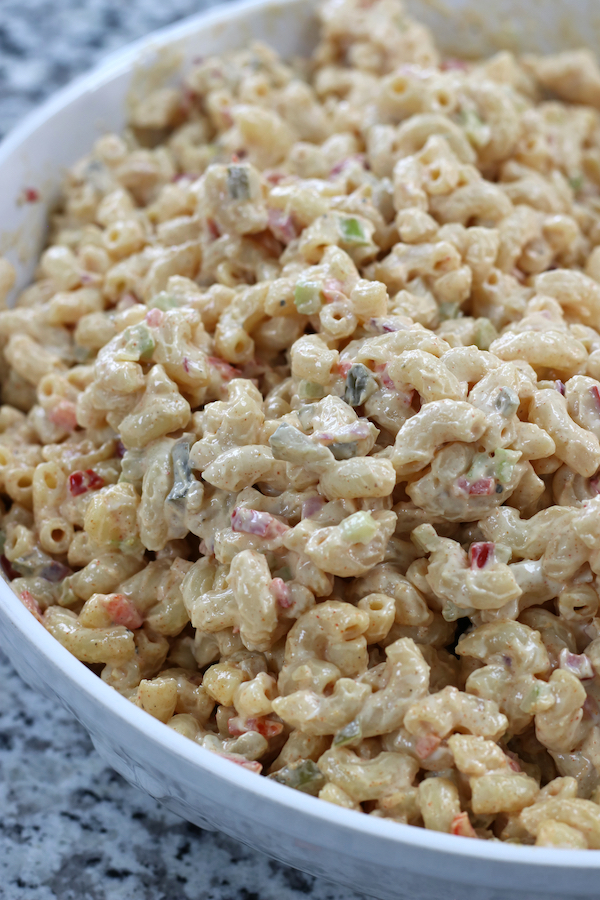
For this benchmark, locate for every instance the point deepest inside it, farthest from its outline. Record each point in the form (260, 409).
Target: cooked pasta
(300, 443)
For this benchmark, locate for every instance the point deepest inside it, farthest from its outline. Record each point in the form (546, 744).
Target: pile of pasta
(301, 424)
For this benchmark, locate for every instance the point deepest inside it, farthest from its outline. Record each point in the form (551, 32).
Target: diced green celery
(238, 183)
(352, 231)
(485, 333)
(448, 311)
(360, 384)
(477, 131)
(285, 574)
(538, 699)
(303, 776)
(308, 297)
(359, 528)
(140, 343)
(349, 734)
(505, 462)
(310, 390)
(344, 451)
(480, 467)
(164, 301)
(507, 402)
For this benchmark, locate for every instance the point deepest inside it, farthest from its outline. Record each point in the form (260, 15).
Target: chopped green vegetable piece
(344, 451)
(505, 462)
(507, 402)
(291, 445)
(2, 541)
(576, 182)
(285, 574)
(480, 467)
(360, 384)
(182, 474)
(303, 776)
(67, 596)
(140, 343)
(349, 734)
(20, 566)
(164, 301)
(538, 699)
(359, 528)
(238, 183)
(485, 333)
(310, 390)
(305, 414)
(129, 546)
(448, 311)
(352, 231)
(477, 131)
(132, 467)
(451, 612)
(308, 297)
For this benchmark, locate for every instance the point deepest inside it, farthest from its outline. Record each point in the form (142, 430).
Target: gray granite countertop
(70, 828)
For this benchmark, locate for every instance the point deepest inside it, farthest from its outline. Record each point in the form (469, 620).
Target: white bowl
(377, 857)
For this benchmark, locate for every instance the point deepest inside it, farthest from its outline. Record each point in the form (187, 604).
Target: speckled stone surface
(70, 828)
(44, 44)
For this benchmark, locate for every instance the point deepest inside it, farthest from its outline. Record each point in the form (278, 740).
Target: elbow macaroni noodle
(300, 442)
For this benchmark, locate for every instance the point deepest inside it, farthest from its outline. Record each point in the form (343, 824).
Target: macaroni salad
(300, 440)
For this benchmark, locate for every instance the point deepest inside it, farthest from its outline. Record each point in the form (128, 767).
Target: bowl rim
(357, 823)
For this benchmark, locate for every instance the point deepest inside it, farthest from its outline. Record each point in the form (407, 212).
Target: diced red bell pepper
(480, 554)
(122, 611)
(81, 482)
(461, 825)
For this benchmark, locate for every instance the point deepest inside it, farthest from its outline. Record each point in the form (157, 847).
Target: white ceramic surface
(382, 859)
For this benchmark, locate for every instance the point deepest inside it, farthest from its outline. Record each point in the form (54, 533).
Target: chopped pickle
(238, 183)
(360, 384)
(182, 474)
(305, 414)
(303, 776)
(344, 451)
(291, 445)
(349, 734)
(310, 390)
(507, 402)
